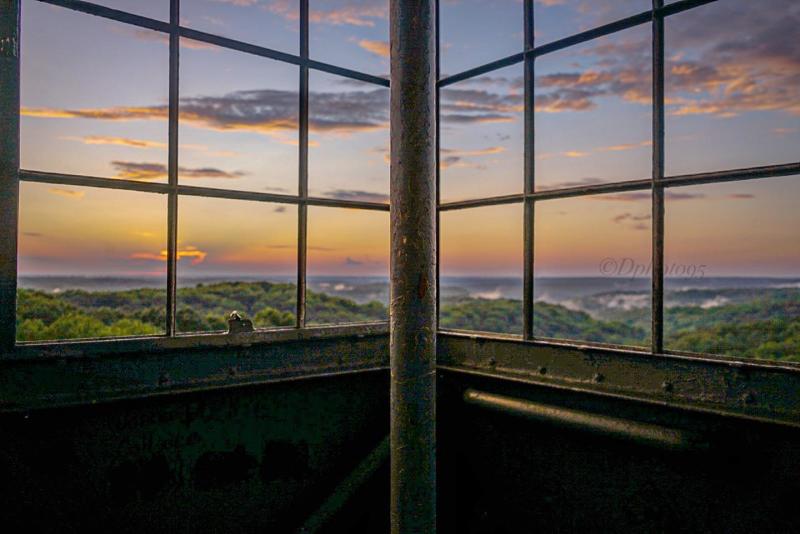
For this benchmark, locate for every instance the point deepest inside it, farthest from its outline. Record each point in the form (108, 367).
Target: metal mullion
(733, 175)
(172, 168)
(657, 227)
(9, 169)
(529, 178)
(302, 209)
(438, 59)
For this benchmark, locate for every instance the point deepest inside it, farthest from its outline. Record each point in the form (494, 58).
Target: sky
(732, 93)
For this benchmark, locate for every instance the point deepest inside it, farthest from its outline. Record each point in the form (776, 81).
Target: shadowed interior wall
(501, 474)
(236, 460)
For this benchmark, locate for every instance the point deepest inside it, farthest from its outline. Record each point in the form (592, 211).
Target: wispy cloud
(67, 193)
(121, 141)
(357, 195)
(379, 48)
(143, 171)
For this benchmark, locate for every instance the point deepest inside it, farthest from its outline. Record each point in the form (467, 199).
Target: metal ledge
(766, 393)
(58, 382)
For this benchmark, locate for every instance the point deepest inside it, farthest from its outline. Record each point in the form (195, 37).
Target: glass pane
(83, 110)
(348, 139)
(90, 263)
(351, 33)
(235, 255)
(348, 265)
(555, 19)
(592, 268)
(481, 269)
(593, 112)
(155, 9)
(732, 269)
(475, 32)
(732, 86)
(268, 23)
(482, 136)
(238, 121)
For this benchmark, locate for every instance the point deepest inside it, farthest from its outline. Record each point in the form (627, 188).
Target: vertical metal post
(172, 167)
(302, 208)
(528, 223)
(413, 266)
(9, 168)
(657, 329)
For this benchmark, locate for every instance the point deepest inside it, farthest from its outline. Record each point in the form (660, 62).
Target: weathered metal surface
(413, 265)
(302, 172)
(25, 385)
(614, 427)
(348, 487)
(755, 391)
(657, 212)
(9, 165)
(529, 178)
(172, 167)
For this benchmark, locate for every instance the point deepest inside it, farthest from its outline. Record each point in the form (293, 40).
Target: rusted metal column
(413, 266)
(9, 168)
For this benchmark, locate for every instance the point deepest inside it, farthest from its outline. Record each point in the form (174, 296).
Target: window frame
(658, 182)
(171, 339)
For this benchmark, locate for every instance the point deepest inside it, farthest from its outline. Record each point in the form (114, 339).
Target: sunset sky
(94, 102)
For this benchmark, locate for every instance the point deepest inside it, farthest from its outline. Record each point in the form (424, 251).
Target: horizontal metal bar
(192, 190)
(154, 344)
(482, 69)
(241, 46)
(348, 73)
(733, 175)
(109, 13)
(572, 40)
(347, 488)
(91, 181)
(614, 427)
(480, 202)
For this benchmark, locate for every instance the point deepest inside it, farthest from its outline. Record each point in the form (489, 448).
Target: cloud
(197, 256)
(350, 262)
(280, 209)
(357, 195)
(265, 111)
(631, 221)
(450, 157)
(32, 234)
(575, 154)
(121, 141)
(470, 105)
(67, 193)
(163, 38)
(380, 48)
(741, 196)
(784, 131)
(645, 195)
(156, 171)
(336, 12)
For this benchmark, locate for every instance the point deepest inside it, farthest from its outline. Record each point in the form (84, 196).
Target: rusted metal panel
(755, 391)
(52, 382)
(9, 166)
(413, 265)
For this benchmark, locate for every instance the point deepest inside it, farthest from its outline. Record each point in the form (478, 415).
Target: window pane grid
(658, 186)
(174, 190)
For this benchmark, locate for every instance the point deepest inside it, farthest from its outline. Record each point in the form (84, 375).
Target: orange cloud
(198, 256)
(380, 48)
(142, 171)
(122, 141)
(68, 193)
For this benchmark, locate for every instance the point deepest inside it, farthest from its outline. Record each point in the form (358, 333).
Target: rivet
(542, 370)
(749, 398)
(666, 386)
(492, 362)
(598, 377)
(163, 379)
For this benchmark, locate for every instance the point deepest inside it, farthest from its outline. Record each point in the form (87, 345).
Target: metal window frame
(11, 175)
(657, 183)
